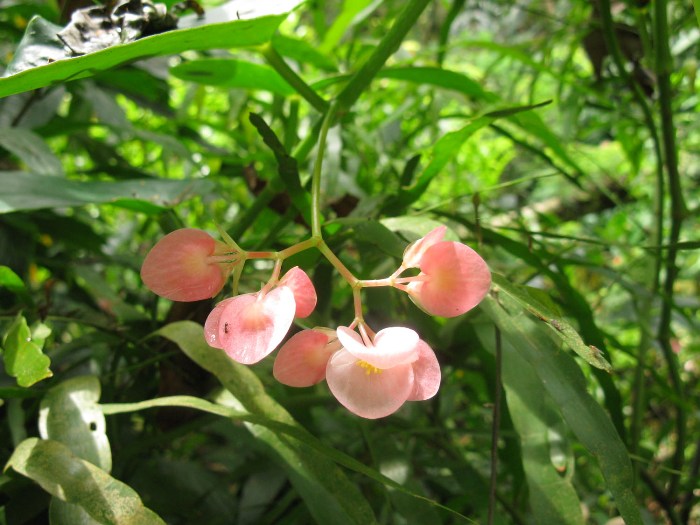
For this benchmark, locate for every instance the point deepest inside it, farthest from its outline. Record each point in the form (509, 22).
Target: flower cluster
(371, 374)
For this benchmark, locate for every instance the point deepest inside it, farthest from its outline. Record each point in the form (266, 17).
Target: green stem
(316, 176)
(277, 62)
(387, 47)
(663, 66)
(639, 390)
(338, 265)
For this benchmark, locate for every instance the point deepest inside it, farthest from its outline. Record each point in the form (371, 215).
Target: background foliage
(558, 138)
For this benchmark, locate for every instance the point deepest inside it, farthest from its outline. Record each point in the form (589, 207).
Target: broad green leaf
(62, 513)
(23, 356)
(302, 52)
(64, 475)
(235, 74)
(228, 406)
(541, 306)
(29, 191)
(31, 149)
(566, 385)
(329, 495)
(69, 413)
(552, 497)
(377, 234)
(219, 29)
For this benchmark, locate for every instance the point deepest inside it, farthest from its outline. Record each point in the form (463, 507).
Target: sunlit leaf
(70, 414)
(64, 475)
(23, 356)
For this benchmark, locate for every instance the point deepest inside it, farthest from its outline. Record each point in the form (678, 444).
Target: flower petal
(252, 325)
(368, 393)
(211, 325)
(302, 360)
(304, 292)
(177, 267)
(426, 374)
(456, 279)
(414, 252)
(392, 346)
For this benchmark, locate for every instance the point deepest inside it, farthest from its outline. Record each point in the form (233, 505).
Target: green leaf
(563, 380)
(377, 234)
(64, 475)
(541, 306)
(302, 52)
(29, 191)
(23, 357)
(235, 74)
(70, 414)
(11, 281)
(206, 35)
(31, 149)
(351, 11)
(442, 78)
(552, 496)
(287, 168)
(62, 513)
(329, 495)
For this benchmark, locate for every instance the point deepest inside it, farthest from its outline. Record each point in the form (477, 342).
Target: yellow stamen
(369, 369)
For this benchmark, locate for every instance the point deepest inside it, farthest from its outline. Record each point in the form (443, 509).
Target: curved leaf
(70, 414)
(207, 35)
(329, 495)
(71, 479)
(565, 383)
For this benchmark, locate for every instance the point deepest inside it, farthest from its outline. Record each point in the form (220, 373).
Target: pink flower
(249, 327)
(302, 360)
(298, 281)
(375, 378)
(453, 277)
(186, 265)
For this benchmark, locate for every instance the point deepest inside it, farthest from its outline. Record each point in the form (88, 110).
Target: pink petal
(302, 360)
(426, 374)
(369, 393)
(456, 279)
(252, 325)
(304, 292)
(211, 325)
(414, 252)
(392, 346)
(177, 267)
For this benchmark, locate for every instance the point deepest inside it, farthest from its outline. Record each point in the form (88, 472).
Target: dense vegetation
(558, 139)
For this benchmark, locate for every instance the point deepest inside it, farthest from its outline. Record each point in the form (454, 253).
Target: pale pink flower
(298, 281)
(375, 378)
(453, 278)
(187, 265)
(302, 360)
(249, 327)
(414, 252)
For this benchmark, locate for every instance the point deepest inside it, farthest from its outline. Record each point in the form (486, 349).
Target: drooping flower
(375, 378)
(249, 327)
(183, 266)
(304, 292)
(414, 251)
(453, 278)
(302, 360)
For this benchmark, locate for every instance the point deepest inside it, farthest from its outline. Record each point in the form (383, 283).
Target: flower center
(369, 369)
